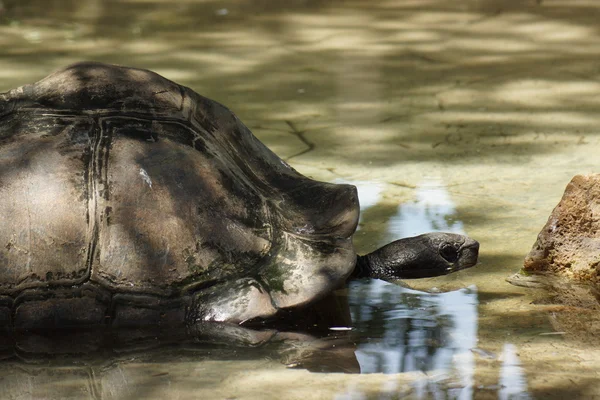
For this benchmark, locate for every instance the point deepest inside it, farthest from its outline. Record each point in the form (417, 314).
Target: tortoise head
(423, 256)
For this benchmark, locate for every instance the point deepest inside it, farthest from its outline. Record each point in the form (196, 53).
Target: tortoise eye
(449, 252)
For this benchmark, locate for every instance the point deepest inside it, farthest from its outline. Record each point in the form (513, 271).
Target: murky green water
(466, 116)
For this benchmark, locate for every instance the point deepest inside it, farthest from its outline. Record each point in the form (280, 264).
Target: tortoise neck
(362, 269)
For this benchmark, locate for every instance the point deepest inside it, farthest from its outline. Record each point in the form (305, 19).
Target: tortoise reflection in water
(126, 199)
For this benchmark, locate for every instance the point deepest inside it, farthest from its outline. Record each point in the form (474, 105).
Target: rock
(565, 259)
(569, 243)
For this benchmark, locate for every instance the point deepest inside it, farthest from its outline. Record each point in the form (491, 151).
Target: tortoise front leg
(233, 302)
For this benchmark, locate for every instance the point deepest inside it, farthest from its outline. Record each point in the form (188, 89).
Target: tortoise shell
(124, 194)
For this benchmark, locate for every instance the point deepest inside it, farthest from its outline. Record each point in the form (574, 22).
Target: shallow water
(467, 116)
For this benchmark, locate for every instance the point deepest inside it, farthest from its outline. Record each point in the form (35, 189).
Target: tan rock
(569, 243)
(565, 258)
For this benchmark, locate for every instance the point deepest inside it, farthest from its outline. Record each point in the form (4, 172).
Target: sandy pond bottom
(467, 116)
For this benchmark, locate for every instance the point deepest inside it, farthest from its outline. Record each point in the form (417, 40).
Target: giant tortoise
(127, 199)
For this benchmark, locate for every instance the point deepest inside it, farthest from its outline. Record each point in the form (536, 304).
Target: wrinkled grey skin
(423, 256)
(126, 199)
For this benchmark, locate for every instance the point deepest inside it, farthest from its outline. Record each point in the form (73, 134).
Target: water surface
(467, 117)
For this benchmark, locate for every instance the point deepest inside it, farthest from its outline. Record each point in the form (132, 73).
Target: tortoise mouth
(469, 254)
